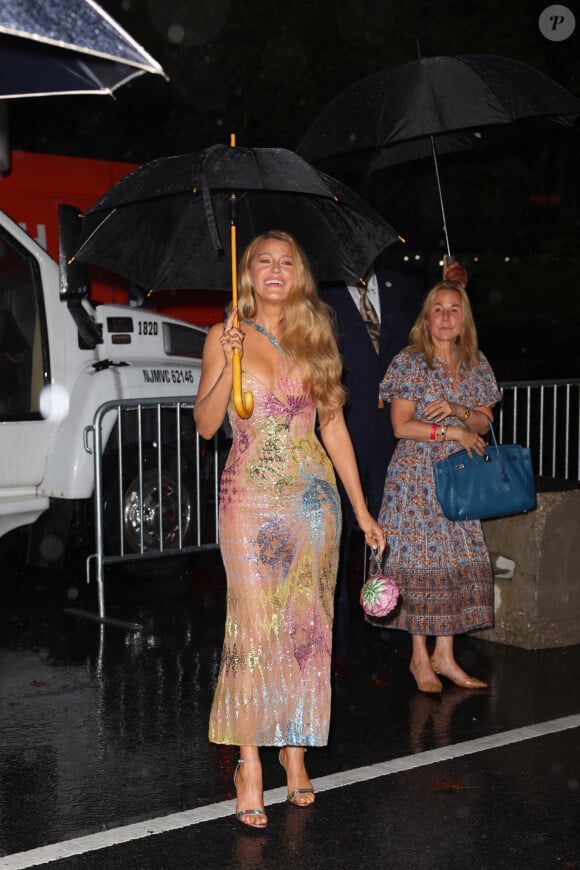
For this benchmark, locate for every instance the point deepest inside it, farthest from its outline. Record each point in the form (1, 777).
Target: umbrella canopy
(166, 225)
(175, 223)
(434, 105)
(435, 96)
(55, 47)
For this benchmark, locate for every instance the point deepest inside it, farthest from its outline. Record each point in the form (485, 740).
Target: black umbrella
(53, 47)
(434, 105)
(166, 224)
(175, 222)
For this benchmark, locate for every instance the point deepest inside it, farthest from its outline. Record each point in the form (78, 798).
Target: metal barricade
(545, 416)
(156, 487)
(148, 441)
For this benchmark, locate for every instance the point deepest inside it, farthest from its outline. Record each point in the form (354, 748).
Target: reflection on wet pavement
(93, 719)
(102, 727)
(432, 719)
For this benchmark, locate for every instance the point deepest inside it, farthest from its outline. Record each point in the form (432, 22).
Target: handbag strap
(376, 561)
(504, 474)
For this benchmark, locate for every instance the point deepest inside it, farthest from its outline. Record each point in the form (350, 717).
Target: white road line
(115, 836)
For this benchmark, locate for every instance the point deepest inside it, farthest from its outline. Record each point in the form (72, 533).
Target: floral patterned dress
(442, 567)
(279, 523)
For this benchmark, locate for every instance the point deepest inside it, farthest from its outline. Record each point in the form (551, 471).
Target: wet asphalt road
(103, 728)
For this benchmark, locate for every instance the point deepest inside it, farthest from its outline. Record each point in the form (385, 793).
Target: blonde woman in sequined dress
(280, 517)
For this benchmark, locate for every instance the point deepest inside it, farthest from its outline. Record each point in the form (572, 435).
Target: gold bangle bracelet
(466, 414)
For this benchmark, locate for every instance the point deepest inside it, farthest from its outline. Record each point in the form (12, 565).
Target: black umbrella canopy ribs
(166, 225)
(432, 106)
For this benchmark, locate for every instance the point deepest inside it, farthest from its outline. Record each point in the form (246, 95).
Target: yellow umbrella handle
(244, 404)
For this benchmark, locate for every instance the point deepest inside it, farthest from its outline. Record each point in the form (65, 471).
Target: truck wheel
(134, 516)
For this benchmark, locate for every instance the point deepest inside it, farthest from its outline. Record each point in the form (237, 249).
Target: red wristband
(433, 432)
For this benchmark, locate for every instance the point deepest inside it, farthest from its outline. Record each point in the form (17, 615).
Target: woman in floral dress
(280, 517)
(442, 391)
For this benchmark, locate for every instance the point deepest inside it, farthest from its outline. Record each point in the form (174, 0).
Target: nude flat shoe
(430, 687)
(462, 682)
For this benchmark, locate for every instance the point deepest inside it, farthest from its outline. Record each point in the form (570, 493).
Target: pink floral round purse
(379, 594)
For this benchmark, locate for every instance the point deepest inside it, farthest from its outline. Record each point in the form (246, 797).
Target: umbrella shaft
(234, 264)
(441, 203)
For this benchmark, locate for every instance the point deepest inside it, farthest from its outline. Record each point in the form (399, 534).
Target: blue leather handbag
(497, 484)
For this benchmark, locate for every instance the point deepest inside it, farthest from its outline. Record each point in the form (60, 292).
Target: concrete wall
(539, 606)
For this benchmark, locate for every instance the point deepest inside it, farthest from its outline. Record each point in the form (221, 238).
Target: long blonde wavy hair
(420, 340)
(306, 330)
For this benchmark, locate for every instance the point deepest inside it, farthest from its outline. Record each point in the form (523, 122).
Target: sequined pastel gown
(279, 522)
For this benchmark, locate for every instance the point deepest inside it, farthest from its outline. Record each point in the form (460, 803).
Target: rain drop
(176, 34)
(51, 548)
(54, 402)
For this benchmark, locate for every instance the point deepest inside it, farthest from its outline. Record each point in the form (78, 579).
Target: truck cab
(61, 357)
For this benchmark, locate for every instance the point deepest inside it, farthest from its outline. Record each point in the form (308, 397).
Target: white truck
(61, 357)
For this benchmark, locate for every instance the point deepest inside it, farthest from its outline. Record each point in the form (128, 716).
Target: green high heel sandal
(291, 798)
(241, 815)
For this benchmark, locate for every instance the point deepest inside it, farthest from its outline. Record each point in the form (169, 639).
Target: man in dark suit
(396, 300)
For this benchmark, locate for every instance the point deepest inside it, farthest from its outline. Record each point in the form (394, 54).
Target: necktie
(369, 316)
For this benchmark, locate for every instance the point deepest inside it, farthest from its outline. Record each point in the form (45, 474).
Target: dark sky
(264, 69)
